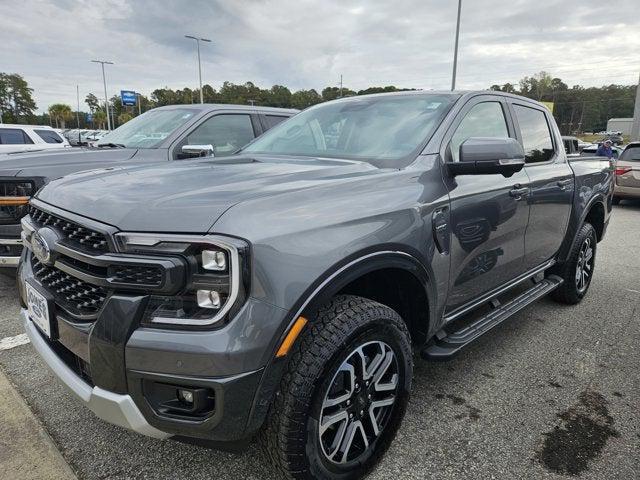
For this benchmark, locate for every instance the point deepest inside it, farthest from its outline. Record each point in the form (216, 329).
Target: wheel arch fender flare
(326, 286)
(576, 223)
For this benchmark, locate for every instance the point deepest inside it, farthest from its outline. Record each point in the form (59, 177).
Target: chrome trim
(114, 408)
(9, 261)
(458, 312)
(151, 239)
(10, 241)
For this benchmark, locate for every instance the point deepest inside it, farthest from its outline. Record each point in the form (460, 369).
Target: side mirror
(195, 151)
(485, 156)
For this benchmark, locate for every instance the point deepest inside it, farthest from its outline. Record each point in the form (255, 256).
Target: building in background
(622, 125)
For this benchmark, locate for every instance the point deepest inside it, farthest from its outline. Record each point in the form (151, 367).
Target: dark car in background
(160, 135)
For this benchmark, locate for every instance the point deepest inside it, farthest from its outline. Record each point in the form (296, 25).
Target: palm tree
(61, 113)
(99, 118)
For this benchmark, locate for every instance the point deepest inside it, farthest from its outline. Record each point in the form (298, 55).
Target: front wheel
(344, 393)
(577, 271)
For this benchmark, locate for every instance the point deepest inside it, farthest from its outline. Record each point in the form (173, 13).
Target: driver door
(489, 212)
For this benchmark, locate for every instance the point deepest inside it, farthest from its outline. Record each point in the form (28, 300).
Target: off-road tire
(568, 292)
(289, 438)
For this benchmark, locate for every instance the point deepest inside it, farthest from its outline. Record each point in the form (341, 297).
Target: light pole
(106, 100)
(198, 40)
(455, 51)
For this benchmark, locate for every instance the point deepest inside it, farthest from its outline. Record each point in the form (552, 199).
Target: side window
(49, 136)
(227, 133)
(485, 119)
(536, 136)
(13, 136)
(273, 120)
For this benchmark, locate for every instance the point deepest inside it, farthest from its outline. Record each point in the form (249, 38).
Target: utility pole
(635, 128)
(106, 99)
(78, 110)
(198, 40)
(455, 50)
(340, 86)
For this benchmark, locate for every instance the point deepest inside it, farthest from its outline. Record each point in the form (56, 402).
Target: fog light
(185, 396)
(208, 298)
(214, 260)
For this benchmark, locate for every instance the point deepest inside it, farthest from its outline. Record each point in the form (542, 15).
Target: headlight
(217, 280)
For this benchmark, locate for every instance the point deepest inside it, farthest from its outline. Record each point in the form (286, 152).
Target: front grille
(73, 295)
(11, 214)
(136, 274)
(80, 237)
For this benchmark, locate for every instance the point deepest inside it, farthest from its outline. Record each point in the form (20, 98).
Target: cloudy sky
(309, 44)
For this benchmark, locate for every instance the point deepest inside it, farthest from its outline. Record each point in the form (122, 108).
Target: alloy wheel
(584, 267)
(358, 402)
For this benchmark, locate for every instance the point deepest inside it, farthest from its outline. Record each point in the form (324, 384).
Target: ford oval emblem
(42, 243)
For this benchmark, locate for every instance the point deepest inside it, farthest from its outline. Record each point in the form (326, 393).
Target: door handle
(564, 183)
(518, 192)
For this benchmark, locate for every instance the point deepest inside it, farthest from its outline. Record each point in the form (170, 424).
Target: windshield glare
(149, 129)
(379, 129)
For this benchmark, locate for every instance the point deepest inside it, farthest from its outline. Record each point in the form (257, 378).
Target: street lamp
(198, 40)
(106, 100)
(455, 51)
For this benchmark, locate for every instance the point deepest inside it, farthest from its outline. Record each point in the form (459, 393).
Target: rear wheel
(578, 270)
(344, 394)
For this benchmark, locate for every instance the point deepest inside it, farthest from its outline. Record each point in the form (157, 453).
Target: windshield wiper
(112, 145)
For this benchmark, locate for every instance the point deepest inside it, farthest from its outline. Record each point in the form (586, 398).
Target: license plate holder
(41, 308)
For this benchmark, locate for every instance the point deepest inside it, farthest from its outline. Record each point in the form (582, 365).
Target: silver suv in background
(628, 174)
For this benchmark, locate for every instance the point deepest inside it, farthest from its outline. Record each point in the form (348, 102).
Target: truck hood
(64, 160)
(189, 196)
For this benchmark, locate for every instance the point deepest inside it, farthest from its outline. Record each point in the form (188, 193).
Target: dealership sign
(129, 98)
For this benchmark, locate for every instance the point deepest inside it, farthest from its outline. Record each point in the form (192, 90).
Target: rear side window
(536, 136)
(485, 119)
(631, 154)
(227, 133)
(13, 136)
(273, 120)
(49, 136)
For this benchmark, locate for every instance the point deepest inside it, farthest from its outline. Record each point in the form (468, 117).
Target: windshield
(149, 129)
(379, 129)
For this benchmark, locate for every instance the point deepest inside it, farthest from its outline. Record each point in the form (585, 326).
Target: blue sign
(89, 117)
(129, 98)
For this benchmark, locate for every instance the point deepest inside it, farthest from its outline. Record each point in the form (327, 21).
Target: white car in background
(22, 138)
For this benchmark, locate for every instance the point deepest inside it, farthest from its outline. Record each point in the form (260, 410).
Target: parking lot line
(8, 343)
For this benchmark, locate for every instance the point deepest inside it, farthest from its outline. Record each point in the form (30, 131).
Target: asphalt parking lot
(553, 393)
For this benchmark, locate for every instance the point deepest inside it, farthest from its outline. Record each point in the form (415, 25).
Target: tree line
(576, 108)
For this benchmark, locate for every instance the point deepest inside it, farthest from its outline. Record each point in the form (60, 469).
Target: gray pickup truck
(280, 291)
(159, 135)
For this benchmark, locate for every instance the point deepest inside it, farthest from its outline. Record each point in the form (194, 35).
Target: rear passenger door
(551, 177)
(488, 215)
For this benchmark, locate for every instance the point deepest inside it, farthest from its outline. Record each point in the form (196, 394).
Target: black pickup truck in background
(159, 135)
(279, 291)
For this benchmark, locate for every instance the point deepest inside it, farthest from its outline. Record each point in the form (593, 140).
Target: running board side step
(448, 344)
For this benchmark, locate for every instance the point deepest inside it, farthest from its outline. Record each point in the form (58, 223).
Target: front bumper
(113, 365)
(112, 407)
(10, 245)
